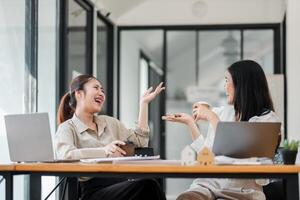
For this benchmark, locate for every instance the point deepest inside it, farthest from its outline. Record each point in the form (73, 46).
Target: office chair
(274, 190)
(70, 189)
(73, 189)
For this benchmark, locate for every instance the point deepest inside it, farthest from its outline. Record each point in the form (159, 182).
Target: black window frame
(88, 6)
(110, 62)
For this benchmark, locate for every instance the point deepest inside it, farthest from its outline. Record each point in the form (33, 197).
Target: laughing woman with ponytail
(84, 134)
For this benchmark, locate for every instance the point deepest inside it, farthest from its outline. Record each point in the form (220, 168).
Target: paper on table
(149, 162)
(225, 160)
(112, 159)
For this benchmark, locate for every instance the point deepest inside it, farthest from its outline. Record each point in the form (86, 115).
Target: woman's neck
(85, 117)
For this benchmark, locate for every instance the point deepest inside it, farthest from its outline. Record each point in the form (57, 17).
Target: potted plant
(289, 151)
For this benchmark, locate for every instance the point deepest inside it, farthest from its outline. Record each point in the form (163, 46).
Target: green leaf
(291, 145)
(286, 144)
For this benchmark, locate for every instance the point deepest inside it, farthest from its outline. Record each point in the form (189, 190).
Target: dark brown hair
(68, 102)
(251, 96)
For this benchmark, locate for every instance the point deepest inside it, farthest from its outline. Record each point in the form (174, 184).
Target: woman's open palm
(179, 117)
(149, 95)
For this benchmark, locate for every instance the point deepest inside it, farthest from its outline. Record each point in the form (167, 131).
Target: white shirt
(226, 113)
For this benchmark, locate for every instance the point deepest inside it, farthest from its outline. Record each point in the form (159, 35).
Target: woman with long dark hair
(249, 99)
(84, 134)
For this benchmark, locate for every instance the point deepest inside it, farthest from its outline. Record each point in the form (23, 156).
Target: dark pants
(120, 189)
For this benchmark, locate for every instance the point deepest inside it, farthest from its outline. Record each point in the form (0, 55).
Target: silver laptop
(246, 139)
(29, 138)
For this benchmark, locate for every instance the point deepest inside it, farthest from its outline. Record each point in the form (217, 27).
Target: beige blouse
(74, 140)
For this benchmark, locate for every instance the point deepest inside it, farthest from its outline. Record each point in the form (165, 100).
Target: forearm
(194, 130)
(75, 153)
(214, 120)
(143, 116)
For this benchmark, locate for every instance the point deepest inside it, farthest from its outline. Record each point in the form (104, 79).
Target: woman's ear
(78, 94)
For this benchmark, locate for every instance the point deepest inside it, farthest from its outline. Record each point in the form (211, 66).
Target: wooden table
(7, 171)
(287, 172)
(158, 169)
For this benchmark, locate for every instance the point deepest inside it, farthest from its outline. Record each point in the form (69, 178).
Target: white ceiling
(191, 12)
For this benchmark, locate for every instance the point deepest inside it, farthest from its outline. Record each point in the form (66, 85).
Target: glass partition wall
(47, 77)
(141, 67)
(29, 37)
(12, 67)
(104, 61)
(28, 75)
(192, 63)
(78, 40)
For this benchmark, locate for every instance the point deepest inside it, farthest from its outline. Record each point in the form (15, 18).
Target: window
(259, 46)
(46, 98)
(76, 41)
(13, 75)
(193, 60)
(104, 68)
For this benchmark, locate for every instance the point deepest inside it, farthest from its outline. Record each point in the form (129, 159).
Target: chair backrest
(73, 191)
(274, 191)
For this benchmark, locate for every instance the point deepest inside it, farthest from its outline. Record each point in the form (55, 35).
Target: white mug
(202, 103)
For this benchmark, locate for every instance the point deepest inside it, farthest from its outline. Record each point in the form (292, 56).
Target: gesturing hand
(149, 95)
(113, 149)
(179, 117)
(201, 112)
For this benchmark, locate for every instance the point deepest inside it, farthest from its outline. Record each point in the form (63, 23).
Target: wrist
(144, 103)
(212, 116)
(191, 123)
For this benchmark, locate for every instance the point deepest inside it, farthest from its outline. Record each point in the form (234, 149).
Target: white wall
(193, 11)
(293, 67)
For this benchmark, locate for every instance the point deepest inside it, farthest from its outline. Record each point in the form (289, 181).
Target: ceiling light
(199, 8)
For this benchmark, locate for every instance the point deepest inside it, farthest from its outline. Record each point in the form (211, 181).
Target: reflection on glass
(259, 46)
(77, 24)
(196, 62)
(231, 46)
(181, 63)
(132, 43)
(46, 71)
(144, 74)
(12, 67)
(181, 73)
(141, 67)
(102, 59)
(217, 51)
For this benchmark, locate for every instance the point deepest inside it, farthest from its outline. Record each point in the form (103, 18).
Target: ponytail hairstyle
(251, 96)
(68, 102)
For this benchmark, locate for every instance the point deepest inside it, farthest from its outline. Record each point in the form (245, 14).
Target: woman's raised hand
(179, 117)
(202, 112)
(113, 149)
(149, 95)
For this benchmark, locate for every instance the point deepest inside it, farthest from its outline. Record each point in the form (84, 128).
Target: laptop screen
(29, 137)
(246, 139)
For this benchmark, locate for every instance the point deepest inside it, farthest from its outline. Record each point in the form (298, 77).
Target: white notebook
(112, 159)
(225, 160)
